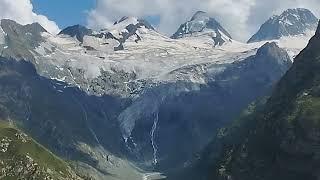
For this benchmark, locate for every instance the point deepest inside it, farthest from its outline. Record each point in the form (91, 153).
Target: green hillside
(282, 140)
(22, 158)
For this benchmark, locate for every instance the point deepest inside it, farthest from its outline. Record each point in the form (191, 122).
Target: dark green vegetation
(22, 158)
(280, 139)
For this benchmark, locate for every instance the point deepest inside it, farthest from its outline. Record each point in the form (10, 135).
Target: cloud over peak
(240, 17)
(21, 11)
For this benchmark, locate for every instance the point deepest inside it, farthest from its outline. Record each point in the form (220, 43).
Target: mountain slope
(20, 41)
(203, 25)
(280, 140)
(127, 29)
(22, 158)
(291, 22)
(102, 108)
(180, 123)
(80, 128)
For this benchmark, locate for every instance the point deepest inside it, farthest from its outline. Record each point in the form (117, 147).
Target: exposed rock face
(77, 31)
(280, 139)
(20, 39)
(203, 25)
(123, 30)
(157, 102)
(141, 22)
(290, 23)
(178, 126)
(60, 117)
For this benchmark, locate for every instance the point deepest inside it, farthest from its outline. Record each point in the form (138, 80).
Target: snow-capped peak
(291, 17)
(201, 24)
(127, 29)
(291, 22)
(126, 21)
(200, 16)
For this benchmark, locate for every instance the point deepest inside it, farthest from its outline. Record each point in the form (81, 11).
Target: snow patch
(2, 36)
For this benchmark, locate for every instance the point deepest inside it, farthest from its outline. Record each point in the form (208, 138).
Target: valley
(130, 103)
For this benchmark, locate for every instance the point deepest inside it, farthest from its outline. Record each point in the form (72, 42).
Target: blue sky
(64, 12)
(70, 12)
(241, 18)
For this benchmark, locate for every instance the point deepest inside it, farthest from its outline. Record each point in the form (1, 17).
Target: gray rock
(77, 31)
(172, 125)
(291, 22)
(201, 22)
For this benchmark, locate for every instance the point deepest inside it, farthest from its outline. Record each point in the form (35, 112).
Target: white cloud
(21, 11)
(241, 17)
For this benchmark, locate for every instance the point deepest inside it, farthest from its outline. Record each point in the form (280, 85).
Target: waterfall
(85, 114)
(152, 134)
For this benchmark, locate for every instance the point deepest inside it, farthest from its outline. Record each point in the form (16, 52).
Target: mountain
(117, 113)
(285, 140)
(77, 31)
(19, 39)
(181, 125)
(291, 22)
(126, 29)
(22, 158)
(203, 25)
(137, 21)
(278, 139)
(77, 127)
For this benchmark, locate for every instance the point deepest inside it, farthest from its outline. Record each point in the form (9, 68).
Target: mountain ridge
(130, 92)
(77, 31)
(202, 24)
(290, 23)
(277, 137)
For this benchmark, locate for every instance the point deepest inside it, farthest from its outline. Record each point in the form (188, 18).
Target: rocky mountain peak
(20, 39)
(34, 28)
(200, 15)
(268, 48)
(201, 24)
(272, 53)
(126, 29)
(290, 23)
(121, 20)
(77, 31)
(130, 21)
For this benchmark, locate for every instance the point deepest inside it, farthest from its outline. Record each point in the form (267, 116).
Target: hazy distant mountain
(290, 23)
(201, 24)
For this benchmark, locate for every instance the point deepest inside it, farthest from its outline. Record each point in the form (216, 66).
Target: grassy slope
(22, 157)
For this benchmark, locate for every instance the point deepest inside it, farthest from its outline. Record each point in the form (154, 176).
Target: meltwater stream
(152, 134)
